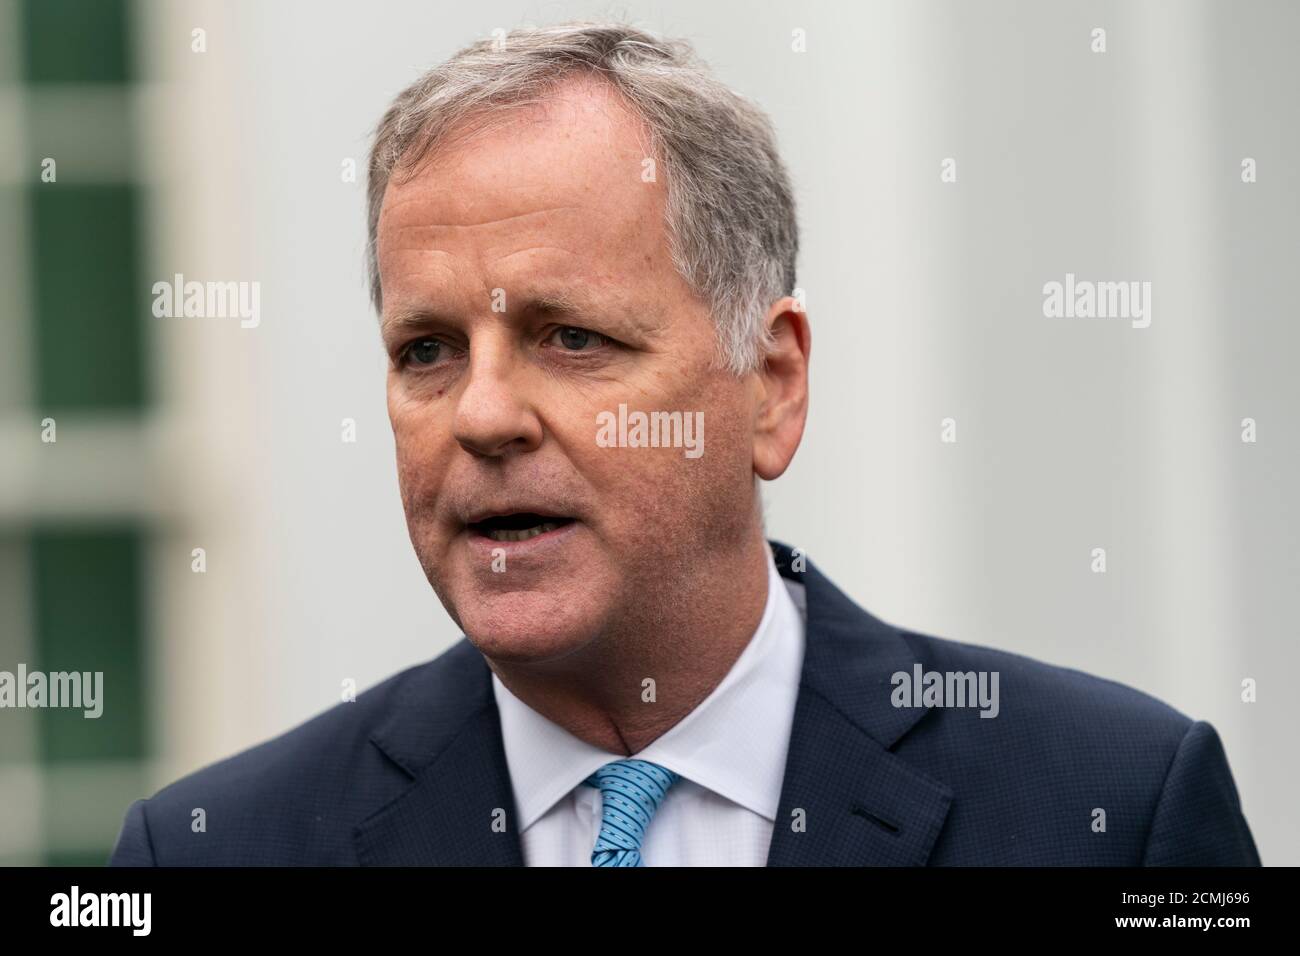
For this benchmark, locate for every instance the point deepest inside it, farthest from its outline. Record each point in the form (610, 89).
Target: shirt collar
(733, 743)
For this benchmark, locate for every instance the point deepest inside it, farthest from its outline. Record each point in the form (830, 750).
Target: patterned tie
(630, 792)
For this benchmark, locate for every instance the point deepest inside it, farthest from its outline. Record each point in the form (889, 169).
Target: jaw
(531, 625)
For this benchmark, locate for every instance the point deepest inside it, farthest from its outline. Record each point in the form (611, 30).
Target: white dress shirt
(730, 751)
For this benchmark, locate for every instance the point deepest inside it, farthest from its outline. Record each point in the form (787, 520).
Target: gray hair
(730, 210)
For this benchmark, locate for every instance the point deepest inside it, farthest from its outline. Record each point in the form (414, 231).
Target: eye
(574, 339)
(421, 352)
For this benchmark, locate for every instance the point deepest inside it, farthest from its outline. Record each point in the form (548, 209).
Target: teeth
(523, 534)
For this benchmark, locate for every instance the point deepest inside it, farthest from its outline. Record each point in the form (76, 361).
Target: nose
(494, 413)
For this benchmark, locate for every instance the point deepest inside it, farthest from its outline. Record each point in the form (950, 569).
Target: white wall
(925, 300)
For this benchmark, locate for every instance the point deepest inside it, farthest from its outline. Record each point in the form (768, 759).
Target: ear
(782, 386)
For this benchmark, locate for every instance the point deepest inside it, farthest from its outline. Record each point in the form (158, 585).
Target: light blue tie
(630, 792)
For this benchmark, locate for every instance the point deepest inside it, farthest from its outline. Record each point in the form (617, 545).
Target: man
(583, 249)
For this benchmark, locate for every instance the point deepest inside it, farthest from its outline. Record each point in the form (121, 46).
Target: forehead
(555, 187)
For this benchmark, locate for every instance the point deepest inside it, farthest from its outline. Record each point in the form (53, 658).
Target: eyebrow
(558, 303)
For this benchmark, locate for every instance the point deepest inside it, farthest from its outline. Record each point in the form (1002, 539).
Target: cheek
(418, 437)
(720, 481)
(663, 487)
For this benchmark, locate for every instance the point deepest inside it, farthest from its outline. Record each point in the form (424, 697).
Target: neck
(639, 679)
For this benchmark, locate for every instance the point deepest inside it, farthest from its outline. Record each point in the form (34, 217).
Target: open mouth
(519, 526)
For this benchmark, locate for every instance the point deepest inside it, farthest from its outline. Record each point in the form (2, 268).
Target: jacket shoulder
(1050, 695)
(1073, 768)
(296, 798)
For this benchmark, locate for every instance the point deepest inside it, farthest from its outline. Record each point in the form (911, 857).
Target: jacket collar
(444, 732)
(846, 799)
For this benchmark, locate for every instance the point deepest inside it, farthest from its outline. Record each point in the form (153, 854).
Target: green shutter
(75, 41)
(89, 300)
(88, 606)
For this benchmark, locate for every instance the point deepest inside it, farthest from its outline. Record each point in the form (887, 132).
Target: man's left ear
(782, 382)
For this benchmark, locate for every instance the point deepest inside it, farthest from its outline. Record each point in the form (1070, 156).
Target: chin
(526, 626)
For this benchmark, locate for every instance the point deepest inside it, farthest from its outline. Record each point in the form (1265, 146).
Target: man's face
(528, 288)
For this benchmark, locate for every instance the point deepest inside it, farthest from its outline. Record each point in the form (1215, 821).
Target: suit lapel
(445, 734)
(846, 799)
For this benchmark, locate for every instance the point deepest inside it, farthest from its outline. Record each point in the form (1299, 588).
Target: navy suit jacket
(413, 772)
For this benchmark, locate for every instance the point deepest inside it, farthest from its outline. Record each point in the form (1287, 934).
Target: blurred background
(231, 163)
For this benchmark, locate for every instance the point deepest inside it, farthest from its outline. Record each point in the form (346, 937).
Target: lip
(484, 515)
(483, 546)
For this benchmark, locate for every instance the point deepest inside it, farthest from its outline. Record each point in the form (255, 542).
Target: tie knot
(630, 791)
